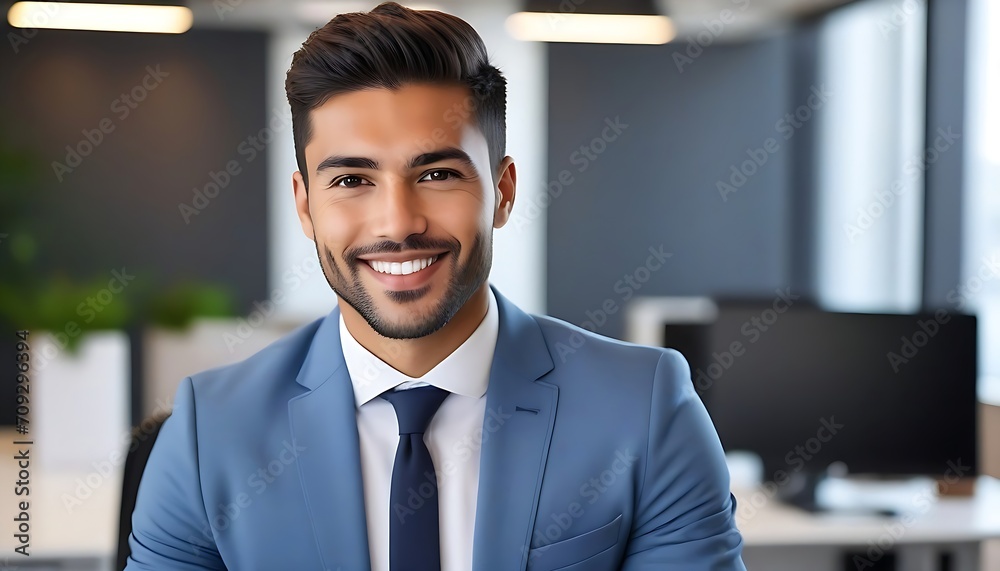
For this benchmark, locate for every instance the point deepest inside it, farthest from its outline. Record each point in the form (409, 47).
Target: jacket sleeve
(170, 528)
(685, 518)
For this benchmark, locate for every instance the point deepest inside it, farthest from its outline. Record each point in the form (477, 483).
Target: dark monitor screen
(881, 393)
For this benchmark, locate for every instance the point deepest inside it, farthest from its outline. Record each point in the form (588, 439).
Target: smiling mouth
(402, 268)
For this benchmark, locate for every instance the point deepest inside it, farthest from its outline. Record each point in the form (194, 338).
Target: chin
(408, 320)
(406, 329)
(412, 297)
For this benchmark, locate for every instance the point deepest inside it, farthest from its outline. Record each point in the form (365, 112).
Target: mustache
(414, 242)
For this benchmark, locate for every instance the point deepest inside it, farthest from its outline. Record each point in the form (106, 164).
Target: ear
(302, 205)
(505, 190)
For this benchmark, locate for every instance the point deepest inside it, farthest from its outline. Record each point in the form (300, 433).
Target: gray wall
(656, 184)
(118, 207)
(943, 180)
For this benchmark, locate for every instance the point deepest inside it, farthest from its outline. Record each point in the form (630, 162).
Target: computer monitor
(887, 394)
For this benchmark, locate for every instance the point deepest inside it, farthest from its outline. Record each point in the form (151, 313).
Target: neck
(415, 357)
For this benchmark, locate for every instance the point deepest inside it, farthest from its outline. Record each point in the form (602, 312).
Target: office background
(845, 152)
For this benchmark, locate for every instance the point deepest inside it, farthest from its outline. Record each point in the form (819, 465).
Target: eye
(438, 175)
(348, 181)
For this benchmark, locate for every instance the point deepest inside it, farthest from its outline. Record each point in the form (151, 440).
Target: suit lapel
(517, 429)
(323, 421)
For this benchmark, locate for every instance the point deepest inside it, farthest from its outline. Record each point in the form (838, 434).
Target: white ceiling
(746, 18)
(749, 17)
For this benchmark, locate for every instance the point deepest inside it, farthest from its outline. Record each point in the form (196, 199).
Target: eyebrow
(447, 153)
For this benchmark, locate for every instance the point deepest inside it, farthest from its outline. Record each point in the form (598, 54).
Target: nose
(400, 212)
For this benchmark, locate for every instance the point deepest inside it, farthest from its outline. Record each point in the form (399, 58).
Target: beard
(465, 280)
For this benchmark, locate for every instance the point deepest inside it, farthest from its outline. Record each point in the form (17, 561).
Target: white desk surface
(90, 530)
(940, 520)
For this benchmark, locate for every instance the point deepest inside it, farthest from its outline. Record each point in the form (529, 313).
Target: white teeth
(402, 268)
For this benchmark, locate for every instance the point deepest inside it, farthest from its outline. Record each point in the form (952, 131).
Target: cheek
(336, 228)
(461, 215)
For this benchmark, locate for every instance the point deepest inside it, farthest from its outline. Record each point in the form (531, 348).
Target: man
(427, 423)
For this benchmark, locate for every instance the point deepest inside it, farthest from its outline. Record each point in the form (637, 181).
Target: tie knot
(415, 407)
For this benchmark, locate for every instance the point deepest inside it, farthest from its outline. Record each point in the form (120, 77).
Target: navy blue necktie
(414, 537)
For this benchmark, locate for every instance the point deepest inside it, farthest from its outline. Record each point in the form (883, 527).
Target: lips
(404, 268)
(404, 274)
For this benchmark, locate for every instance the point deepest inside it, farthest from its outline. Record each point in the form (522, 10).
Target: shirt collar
(466, 371)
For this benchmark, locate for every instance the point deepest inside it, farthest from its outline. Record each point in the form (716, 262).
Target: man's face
(402, 204)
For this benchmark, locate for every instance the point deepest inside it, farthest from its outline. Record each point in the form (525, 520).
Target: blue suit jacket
(596, 455)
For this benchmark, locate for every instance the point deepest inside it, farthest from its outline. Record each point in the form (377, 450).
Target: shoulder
(566, 341)
(244, 403)
(272, 369)
(604, 361)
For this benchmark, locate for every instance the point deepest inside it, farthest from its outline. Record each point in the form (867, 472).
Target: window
(870, 138)
(979, 291)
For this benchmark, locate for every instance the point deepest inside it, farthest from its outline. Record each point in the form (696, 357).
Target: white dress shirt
(453, 437)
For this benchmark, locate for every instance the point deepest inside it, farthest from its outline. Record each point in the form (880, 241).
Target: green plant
(177, 306)
(34, 297)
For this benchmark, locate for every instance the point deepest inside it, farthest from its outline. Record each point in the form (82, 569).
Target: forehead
(394, 124)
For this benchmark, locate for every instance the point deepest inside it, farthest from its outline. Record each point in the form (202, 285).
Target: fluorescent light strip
(590, 28)
(101, 17)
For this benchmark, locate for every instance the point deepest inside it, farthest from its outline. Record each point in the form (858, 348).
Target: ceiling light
(103, 17)
(590, 28)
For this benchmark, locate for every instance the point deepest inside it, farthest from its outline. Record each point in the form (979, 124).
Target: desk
(779, 537)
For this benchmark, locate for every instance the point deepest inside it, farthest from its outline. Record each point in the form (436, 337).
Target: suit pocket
(575, 549)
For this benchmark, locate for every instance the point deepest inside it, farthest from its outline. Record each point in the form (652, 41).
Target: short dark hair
(389, 47)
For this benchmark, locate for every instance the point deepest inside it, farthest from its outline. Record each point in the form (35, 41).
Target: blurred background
(800, 195)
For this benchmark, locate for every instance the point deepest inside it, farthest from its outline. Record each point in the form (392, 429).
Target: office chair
(143, 437)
